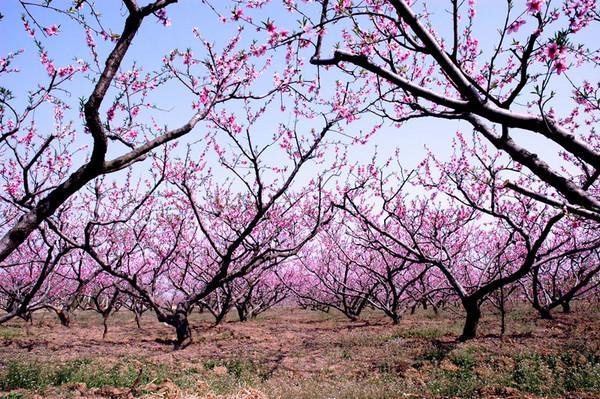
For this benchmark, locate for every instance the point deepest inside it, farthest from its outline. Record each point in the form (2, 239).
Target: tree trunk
(220, 316)
(138, 320)
(471, 321)
(182, 328)
(502, 312)
(64, 318)
(545, 313)
(566, 306)
(105, 324)
(241, 313)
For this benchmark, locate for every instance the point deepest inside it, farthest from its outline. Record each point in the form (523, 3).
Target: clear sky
(154, 41)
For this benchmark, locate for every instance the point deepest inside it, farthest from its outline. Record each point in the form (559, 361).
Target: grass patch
(423, 332)
(464, 359)
(557, 374)
(236, 368)
(463, 383)
(8, 332)
(35, 376)
(435, 353)
(12, 395)
(416, 332)
(359, 339)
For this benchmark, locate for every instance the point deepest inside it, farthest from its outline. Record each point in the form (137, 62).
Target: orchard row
(261, 193)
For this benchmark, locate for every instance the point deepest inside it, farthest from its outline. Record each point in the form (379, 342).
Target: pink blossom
(270, 26)
(28, 28)
(343, 5)
(162, 17)
(560, 65)
(553, 51)
(65, 71)
(236, 14)
(47, 63)
(515, 26)
(534, 6)
(52, 30)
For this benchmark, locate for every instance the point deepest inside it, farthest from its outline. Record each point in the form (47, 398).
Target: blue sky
(154, 41)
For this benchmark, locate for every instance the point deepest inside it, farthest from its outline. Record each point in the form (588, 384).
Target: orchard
(184, 170)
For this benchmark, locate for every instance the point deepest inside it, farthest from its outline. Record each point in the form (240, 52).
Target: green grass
(434, 355)
(545, 375)
(382, 361)
(8, 332)
(557, 374)
(12, 395)
(423, 332)
(35, 376)
(236, 368)
(415, 332)
(464, 359)
(463, 383)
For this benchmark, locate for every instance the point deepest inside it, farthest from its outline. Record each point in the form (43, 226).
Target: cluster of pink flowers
(30, 31)
(556, 53)
(534, 6)
(47, 63)
(162, 17)
(342, 5)
(515, 26)
(471, 11)
(52, 30)
(275, 35)
(6, 61)
(236, 14)
(580, 13)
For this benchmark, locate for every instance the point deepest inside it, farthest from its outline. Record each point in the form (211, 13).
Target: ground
(293, 353)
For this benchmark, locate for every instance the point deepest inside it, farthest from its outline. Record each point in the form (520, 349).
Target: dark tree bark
(502, 312)
(97, 164)
(138, 319)
(105, 325)
(64, 317)
(220, 316)
(179, 320)
(471, 321)
(182, 328)
(545, 313)
(242, 312)
(477, 105)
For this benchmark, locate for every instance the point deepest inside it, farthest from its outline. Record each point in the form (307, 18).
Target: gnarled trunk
(138, 320)
(472, 320)
(63, 316)
(182, 328)
(105, 324)
(179, 320)
(242, 312)
(545, 313)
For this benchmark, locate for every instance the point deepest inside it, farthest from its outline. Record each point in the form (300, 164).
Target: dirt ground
(293, 353)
